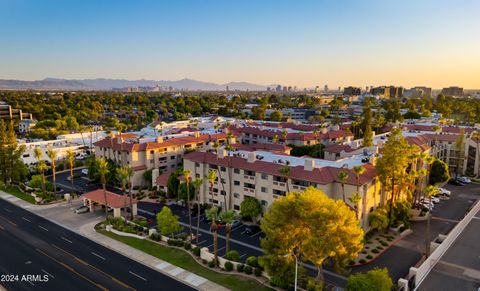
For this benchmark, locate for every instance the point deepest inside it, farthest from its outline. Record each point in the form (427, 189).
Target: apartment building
(162, 155)
(257, 174)
(254, 135)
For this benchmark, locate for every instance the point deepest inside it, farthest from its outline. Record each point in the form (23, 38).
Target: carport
(115, 201)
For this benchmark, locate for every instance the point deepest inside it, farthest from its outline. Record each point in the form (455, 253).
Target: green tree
(52, 154)
(460, 148)
(212, 214)
(186, 176)
(367, 124)
(374, 280)
(250, 208)
(70, 155)
(212, 177)
(276, 116)
(147, 176)
(167, 223)
(439, 172)
(12, 167)
(342, 177)
(285, 172)
(378, 219)
(173, 183)
(197, 183)
(41, 165)
(429, 191)
(227, 217)
(314, 227)
(122, 177)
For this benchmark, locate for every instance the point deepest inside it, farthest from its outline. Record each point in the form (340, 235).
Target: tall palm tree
(103, 171)
(122, 177)
(197, 183)
(212, 214)
(129, 186)
(285, 171)
(355, 199)
(186, 176)
(229, 149)
(71, 159)
(212, 177)
(342, 177)
(359, 170)
(429, 192)
(284, 136)
(227, 217)
(476, 136)
(275, 138)
(52, 154)
(41, 165)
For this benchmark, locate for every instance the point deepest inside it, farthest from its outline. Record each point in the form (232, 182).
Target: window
(236, 195)
(236, 183)
(223, 193)
(264, 203)
(197, 176)
(249, 173)
(264, 176)
(236, 207)
(236, 171)
(222, 181)
(264, 189)
(197, 165)
(223, 169)
(172, 158)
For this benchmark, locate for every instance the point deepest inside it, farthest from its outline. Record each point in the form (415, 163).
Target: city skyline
(272, 42)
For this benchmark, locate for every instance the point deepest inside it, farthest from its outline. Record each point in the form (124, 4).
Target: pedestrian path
(88, 230)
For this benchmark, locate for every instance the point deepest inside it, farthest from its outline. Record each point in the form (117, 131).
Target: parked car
(464, 180)
(82, 156)
(443, 196)
(235, 223)
(444, 191)
(252, 229)
(456, 182)
(82, 209)
(434, 199)
(85, 172)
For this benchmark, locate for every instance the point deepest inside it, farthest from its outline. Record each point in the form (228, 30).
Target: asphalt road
(32, 245)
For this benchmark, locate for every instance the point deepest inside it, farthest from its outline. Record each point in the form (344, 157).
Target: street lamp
(296, 267)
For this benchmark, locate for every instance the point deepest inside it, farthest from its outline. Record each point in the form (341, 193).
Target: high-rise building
(427, 91)
(352, 91)
(325, 88)
(452, 91)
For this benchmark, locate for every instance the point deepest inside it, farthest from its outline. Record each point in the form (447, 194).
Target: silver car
(82, 209)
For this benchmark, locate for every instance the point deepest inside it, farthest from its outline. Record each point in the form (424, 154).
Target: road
(32, 245)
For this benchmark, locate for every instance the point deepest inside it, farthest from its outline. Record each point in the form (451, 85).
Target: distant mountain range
(110, 84)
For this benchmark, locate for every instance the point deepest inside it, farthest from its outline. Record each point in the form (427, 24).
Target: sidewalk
(87, 230)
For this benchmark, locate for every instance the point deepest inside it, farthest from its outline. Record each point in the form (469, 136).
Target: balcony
(248, 177)
(249, 190)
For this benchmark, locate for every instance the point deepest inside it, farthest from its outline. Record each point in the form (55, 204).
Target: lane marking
(256, 234)
(201, 242)
(26, 219)
(8, 220)
(138, 276)
(95, 268)
(72, 270)
(48, 273)
(7, 210)
(210, 246)
(43, 228)
(97, 255)
(220, 249)
(65, 239)
(30, 283)
(242, 255)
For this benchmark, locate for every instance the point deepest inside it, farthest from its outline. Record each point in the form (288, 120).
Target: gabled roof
(113, 200)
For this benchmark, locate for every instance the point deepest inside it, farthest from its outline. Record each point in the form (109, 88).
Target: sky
(298, 43)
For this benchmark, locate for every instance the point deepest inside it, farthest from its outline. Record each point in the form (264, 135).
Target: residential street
(33, 245)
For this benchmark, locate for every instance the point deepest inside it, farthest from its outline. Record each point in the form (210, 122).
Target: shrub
(375, 251)
(155, 237)
(187, 245)
(233, 256)
(240, 267)
(384, 243)
(279, 281)
(204, 261)
(182, 236)
(196, 251)
(379, 248)
(312, 285)
(247, 270)
(362, 261)
(228, 266)
(369, 257)
(257, 272)
(364, 252)
(211, 264)
(252, 261)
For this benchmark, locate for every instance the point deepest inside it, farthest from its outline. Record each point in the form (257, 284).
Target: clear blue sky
(303, 43)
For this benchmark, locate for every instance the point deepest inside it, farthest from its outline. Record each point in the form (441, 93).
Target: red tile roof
(162, 179)
(338, 148)
(112, 143)
(273, 147)
(113, 200)
(324, 175)
(293, 135)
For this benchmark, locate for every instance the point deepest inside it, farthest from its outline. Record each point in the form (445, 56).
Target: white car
(82, 209)
(465, 180)
(85, 171)
(444, 191)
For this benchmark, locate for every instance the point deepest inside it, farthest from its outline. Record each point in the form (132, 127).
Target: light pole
(296, 267)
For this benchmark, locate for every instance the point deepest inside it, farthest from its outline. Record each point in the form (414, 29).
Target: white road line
(220, 249)
(98, 256)
(65, 239)
(210, 246)
(476, 217)
(43, 228)
(243, 256)
(50, 275)
(30, 283)
(25, 219)
(138, 276)
(236, 228)
(7, 210)
(201, 242)
(256, 234)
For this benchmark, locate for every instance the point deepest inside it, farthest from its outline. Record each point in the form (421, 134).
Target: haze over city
(306, 43)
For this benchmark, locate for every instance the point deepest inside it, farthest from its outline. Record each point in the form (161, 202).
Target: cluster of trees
(12, 168)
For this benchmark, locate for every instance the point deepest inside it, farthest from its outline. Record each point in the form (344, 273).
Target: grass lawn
(15, 192)
(181, 259)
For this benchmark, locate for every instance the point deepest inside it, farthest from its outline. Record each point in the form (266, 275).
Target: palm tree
(284, 136)
(52, 154)
(186, 175)
(129, 186)
(275, 138)
(70, 158)
(212, 177)
(285, 171)
(342, 177)
(227, 217)
(103, 171)
(42, 166)
(122, 176)
(212, 214)
(355, 199)
(197, 183)
(429, 192)
(359, 170)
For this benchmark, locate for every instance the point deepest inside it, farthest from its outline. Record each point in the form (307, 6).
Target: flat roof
(459, 267)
